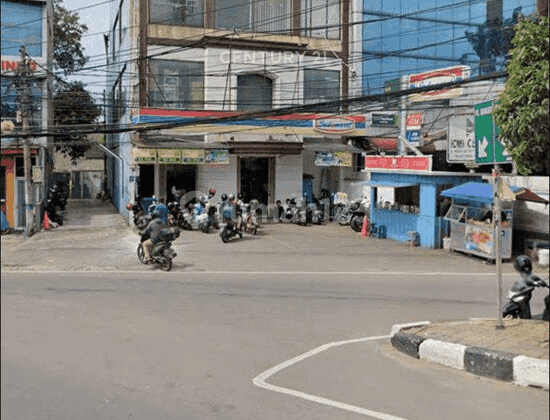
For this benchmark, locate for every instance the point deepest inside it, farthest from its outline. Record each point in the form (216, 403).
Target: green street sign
(488, 149)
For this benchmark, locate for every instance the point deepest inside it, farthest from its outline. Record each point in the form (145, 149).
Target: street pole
(402, 117)
(496, 241)
(23, 68)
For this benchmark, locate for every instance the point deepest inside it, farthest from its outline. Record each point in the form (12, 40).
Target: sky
(97, 19)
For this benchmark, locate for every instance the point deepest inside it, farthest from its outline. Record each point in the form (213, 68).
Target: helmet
(523, 264)
(231, 197)
(212, 192)
(224, 197)
(240, 196)
(156, 213)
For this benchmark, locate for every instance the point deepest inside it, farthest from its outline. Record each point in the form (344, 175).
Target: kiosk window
(408, 196)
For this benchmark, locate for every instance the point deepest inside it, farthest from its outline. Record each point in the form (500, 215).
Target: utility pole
(23, 70)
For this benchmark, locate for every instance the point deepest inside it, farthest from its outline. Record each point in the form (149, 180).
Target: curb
(495, 364)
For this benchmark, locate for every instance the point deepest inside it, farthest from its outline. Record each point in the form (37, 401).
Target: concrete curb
(495, 364)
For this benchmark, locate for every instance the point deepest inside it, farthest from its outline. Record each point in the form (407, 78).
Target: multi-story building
(180, 61)
(408, 44)
(24, 24)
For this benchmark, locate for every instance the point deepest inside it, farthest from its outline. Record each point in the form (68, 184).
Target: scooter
(201, 218)
(358, 210)
(521, 292)
(162, 253)
(249, 223)
(314, 213)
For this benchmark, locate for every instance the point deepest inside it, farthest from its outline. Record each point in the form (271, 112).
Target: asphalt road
(192, 343)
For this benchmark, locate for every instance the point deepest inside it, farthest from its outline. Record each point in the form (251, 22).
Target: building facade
(24, 24)
(183, 62)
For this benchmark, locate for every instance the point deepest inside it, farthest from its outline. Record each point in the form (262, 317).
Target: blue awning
(473, 191)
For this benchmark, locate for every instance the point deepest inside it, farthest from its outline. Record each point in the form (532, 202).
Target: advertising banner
(193, 156)
(169, 155)
(436, 77)
(479, 239)
(410, 163)
(461, 146)
(144, 156)
(343, 158)
(383, 120)
(217, 157)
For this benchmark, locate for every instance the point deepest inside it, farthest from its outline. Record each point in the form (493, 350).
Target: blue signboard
(413, 136)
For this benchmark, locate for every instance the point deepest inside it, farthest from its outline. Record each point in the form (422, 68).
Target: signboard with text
(399, 163)
(217, 157)
(489, 150)
(169, 156)
(192, 156)
(436, 77)
(141, 156)
(333, 159)
(383, 120)
(461, 147)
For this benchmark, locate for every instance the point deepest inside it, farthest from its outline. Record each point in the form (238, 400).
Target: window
(176, 84)
(177, 12)
(21, 24)
(20, 166)
(408, 199)
(254, 92)
(257, 15)
(10, 101)
(321, 86)
(321, 19)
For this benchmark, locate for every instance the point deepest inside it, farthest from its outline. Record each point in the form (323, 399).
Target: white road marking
(271, 273)
(260, 381)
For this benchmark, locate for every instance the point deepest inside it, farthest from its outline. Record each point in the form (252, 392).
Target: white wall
(221, 177)
(288, 176)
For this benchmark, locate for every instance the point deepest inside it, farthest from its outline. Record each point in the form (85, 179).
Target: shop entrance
(256, 179)
(183, 177)
(146, 185)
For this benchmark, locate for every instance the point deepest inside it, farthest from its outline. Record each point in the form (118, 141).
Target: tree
(72, 103)
(68, 53)
(522, 109)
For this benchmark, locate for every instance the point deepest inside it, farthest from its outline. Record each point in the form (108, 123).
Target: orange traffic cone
(365, 227)
(46, 221)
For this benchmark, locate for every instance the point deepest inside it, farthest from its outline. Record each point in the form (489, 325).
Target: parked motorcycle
(162, 253)
(142, 215)
(359, 208)
(522, 290)
(249, 219)
(229, 227)
(314, 213)
(200, 216)
(55, 203)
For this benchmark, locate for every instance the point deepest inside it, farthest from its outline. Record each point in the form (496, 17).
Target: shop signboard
(489, 150)
(383, 120)
(141, 156)
(399, 163)
(217, 157)
(169, 156)
(192, 156)
(436, 77)
(333, 159)
(461, 147)
(336, 125)
(413, 137)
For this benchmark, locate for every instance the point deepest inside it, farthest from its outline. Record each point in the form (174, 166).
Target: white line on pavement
(260, 381)
(352, 273)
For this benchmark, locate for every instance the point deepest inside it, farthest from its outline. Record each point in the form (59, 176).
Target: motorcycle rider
(152, 233)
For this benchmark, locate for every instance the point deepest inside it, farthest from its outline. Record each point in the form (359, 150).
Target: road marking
(270, 273)
(260, 381)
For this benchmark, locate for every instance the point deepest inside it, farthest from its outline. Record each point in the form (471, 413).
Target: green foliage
(68, 53)
(73, 105)
(522, 109)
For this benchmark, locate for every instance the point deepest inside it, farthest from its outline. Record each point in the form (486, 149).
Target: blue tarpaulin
(473, 191)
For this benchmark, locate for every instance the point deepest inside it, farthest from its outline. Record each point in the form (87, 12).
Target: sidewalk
(517, 353)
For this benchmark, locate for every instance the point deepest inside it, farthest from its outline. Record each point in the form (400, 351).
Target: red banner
(410, 163)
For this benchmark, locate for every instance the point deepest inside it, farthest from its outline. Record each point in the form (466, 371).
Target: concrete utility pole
(496, 240)
(23, 70)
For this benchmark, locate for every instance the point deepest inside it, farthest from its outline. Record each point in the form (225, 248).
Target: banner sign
(343, 158)
(217, 157)
(413, 137)
(414, 121)
(436, 77)
(169, 155)
(144, 156)
(399, 163)
(337, 125)
(384, 120)
(461, 146)
(333, 159)
(193, 156)
(479, 239)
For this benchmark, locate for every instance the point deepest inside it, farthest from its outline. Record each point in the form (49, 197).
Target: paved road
(188, 345)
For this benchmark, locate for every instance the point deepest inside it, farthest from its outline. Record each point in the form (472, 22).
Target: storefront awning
(482, 192)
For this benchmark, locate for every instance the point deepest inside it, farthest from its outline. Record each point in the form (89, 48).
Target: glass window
(21, 25)
(10, 101)
(254, 92)
(258, 15)
(320, 19)
(176, 84)
(177, 12)
(321, 85)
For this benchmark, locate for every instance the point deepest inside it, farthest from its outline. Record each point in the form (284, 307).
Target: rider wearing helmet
(523, 265)
(150, 236)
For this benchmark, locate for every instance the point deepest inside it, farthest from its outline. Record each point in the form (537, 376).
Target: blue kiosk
(418, 208)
